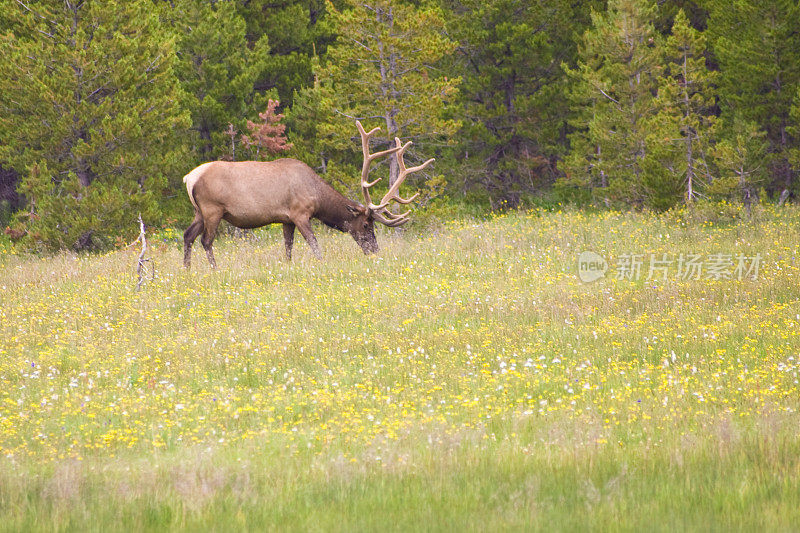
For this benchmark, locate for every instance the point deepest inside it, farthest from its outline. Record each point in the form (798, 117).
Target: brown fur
(251, 194)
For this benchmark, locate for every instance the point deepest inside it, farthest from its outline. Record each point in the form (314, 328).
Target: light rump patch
(190, 180)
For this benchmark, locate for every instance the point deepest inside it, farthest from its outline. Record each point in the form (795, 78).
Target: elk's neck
(334, 213)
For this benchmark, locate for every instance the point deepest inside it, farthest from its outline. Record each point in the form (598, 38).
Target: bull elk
(251, 194)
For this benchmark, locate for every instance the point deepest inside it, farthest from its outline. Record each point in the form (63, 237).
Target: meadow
(464, 378)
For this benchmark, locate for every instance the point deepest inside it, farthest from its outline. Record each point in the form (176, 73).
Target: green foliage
(757, 45)
(794, 130)
(681, 132)
(613, 100)
(218, 70)
(513, 91)
(302, 123)
(695, 12)
(298, 31)
(90, 115)
(741, 158)
(643, 103)
(381, 70)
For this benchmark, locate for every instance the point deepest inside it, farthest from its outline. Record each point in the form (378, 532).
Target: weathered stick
(140, 265)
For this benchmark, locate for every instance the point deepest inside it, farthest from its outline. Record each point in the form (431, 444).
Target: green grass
(464, 378)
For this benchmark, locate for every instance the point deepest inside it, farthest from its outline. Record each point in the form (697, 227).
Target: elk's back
(254, 193)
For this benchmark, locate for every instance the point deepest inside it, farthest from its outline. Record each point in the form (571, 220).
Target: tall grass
(464, 378)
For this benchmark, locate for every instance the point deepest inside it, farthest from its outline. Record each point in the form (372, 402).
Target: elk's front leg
(288, 239)
(308, 234)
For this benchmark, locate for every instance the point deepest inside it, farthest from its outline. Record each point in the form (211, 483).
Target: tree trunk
(689, 132)
(388, 70)
(746, 195)
(786, 168)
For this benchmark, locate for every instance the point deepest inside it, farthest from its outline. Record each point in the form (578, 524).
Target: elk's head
(362, 229)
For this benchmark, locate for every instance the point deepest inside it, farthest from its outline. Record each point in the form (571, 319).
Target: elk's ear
(356, 210)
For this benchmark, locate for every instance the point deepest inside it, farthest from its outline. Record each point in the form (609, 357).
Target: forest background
(625, 104)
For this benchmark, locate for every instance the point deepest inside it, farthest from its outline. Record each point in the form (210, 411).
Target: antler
(368, 159)
(381, 211)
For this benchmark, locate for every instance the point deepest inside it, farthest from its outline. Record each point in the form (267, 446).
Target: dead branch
(141, 268)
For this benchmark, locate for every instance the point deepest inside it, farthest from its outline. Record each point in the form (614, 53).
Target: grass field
(463, 379)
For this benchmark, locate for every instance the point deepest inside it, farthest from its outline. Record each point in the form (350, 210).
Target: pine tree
(757, 45)
(613, 100)
(381, 70)
(695, 12)
(298, 32)
(741, 160)
(218, 70)
(310, 109)
(794, 130)
(510, 54)
(90, 116)
(682, 131)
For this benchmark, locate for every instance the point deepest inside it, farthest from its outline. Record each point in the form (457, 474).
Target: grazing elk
(251, 194)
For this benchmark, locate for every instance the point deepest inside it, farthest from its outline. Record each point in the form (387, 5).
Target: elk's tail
(190, 180)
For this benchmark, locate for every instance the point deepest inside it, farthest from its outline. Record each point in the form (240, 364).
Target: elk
(251, 194)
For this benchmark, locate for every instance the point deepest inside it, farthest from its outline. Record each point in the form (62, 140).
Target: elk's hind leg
(288, 239)
(191, 233)
(210, 231)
